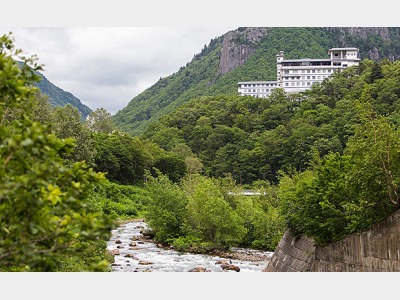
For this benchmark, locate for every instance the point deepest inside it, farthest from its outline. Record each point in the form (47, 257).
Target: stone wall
(292, 254)
(375, 250)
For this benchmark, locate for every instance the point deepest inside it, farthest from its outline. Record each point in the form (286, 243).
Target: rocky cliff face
(364, 33)
(237, 47)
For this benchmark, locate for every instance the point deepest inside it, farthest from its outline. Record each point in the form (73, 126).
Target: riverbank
(250, 255)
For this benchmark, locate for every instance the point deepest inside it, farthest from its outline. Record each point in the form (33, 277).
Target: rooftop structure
(298, 75)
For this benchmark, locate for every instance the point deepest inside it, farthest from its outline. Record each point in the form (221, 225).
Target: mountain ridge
(59, 97)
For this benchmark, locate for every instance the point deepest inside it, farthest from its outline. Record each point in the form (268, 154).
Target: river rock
(145, 262)
(198, 269)
(114, 252)
(221, 262)
(228, 267)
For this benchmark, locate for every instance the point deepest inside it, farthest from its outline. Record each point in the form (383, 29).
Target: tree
(210, 217)
(101, 121)
(44, 220)
(120, 156)
(166, 211)
(67, 123)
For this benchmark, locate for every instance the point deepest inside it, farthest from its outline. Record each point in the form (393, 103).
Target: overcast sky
(108, 66)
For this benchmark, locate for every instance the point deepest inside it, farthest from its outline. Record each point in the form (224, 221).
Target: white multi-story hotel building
(298, 75)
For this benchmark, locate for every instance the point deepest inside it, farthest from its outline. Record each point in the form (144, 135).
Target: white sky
(106, 66)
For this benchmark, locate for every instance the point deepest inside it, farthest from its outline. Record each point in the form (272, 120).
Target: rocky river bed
(134, 252)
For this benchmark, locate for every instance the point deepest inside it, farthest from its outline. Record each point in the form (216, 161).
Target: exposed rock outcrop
(364, 32)
(237, 46)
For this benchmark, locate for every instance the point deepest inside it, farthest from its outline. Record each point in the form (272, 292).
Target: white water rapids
(137, 255)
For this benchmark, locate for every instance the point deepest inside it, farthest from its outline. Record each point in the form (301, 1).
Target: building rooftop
(345, 48)
(256, 82)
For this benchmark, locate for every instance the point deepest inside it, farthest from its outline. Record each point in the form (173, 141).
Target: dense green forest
(326, 163)
(201, 76)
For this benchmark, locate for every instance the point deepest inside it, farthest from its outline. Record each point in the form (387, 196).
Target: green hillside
(201, 76)
(59, 97)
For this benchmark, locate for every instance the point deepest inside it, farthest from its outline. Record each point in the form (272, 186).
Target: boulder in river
(114, 252)
(198, 269)
(145, 262)
(228, 267)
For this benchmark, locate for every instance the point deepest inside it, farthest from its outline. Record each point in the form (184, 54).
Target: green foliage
(170, 164)
(44, 220)
(120, 201)
(100, 121)
(66, 122)
(210, 217)
(201, 214)
(120, 156)
(346, 193)
(166, 210)
(125, 159)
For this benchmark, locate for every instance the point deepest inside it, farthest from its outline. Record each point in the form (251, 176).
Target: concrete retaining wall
(376, 250)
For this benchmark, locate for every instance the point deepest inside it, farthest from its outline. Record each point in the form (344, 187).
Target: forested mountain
(249, 54)
(59, 97)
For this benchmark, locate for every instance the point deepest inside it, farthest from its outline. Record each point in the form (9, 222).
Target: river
(135, 254)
